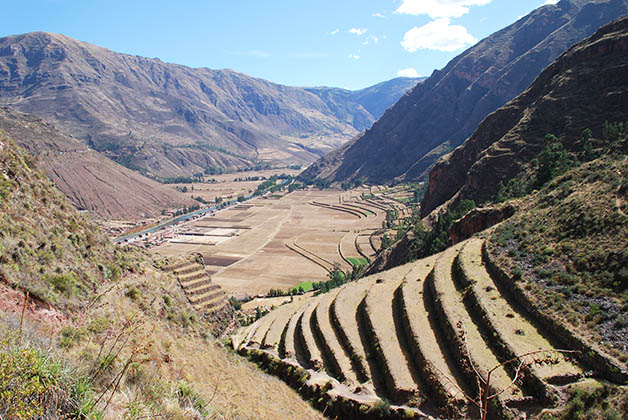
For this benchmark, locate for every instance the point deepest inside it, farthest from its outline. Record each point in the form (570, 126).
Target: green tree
(553, 161)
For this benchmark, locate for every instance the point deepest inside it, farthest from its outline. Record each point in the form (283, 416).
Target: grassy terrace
(264, 324)
(340, 359)
(288, 346)
(458, 322)
(429, 356)
(279, 325)
(344, 311)
(392, 361)
(304, 333)
(518, 334)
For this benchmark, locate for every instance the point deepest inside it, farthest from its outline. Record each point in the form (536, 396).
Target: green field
(306, 285)
(356, 262)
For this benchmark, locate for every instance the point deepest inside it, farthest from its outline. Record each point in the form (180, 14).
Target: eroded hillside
(89, 180)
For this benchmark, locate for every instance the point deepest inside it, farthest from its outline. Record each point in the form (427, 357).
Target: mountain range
(440, 113)
(168, 120)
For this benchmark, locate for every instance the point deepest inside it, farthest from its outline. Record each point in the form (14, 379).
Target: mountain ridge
(167, 119)
(442, 111)
(582, 89)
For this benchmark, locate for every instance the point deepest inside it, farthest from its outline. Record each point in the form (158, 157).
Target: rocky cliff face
(440, 113)
(171, 120)
(583, 88)
(89, 180)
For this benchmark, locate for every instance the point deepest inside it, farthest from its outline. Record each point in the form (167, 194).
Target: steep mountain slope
(46, 247)
(103, 332)
(90, 180)
(440, 113)
(585, 87)
(168, 119)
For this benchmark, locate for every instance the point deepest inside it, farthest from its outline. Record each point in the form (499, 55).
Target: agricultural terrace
(281, 241)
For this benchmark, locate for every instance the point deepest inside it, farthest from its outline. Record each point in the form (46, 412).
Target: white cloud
(379, 15)
(358, 31)
(409, 72)
(334, 32)
(438, 35)
(438, 8)
(354, 56)
(549, 2)
(371, 38)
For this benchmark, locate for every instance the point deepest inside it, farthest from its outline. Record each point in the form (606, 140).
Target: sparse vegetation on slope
(567, 247)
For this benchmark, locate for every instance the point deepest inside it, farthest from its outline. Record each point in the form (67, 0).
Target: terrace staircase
(205, 297)
(422, 336)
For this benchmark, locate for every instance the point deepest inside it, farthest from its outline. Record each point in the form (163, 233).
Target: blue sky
(345, 43)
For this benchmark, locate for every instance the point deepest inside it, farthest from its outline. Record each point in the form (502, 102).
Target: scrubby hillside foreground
(106, 334)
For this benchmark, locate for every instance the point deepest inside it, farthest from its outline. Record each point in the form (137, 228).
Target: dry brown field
(278, 243)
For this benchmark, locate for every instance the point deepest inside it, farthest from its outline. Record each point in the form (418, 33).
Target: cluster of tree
(614, 131)
(293, 186)
(386, 243)
(336, 278)
(554, 160)
(201, 200)
(428, 241)
(186, 210)
(352, 184)
(271, 185)
(290, 292)
(265, 186)
(322, 184)
(196, 178)
(391, 218)
(250, 178)
(418, 192)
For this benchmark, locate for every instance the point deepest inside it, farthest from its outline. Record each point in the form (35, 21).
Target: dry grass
(180, 357)
(521, 336)
(379, 308)
(458, 317)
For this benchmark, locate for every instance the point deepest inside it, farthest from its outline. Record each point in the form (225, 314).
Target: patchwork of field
(281, 242)
(422, 336)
